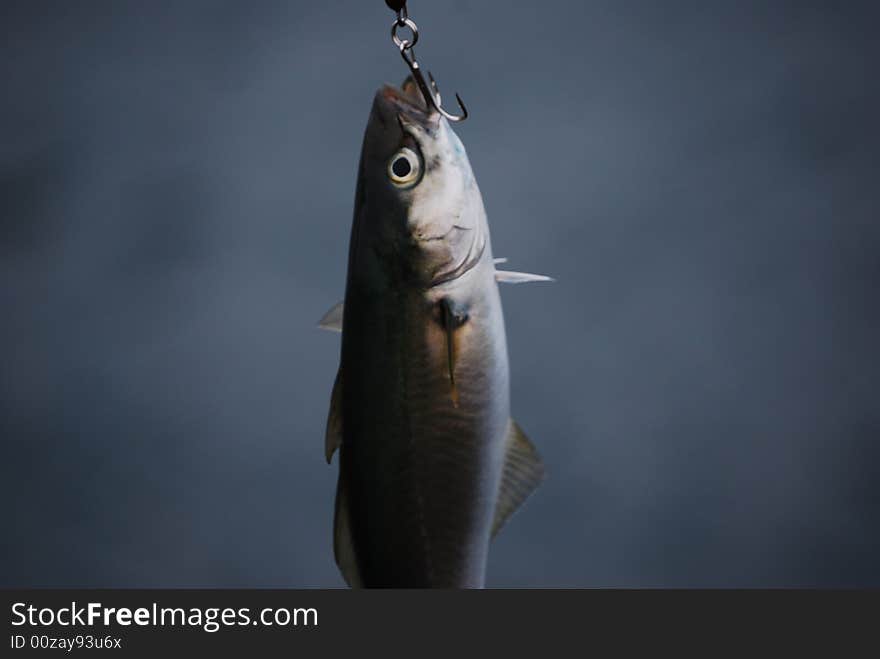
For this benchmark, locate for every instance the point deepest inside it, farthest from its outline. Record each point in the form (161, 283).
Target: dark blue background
(176, 181)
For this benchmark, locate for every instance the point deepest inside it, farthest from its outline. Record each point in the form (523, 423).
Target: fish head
(423, 205)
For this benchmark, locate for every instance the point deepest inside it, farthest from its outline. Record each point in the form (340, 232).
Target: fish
(431, 465)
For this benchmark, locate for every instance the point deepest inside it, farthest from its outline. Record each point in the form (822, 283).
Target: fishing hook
(430, 93)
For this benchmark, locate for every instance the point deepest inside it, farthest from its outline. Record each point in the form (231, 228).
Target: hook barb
(431, 92)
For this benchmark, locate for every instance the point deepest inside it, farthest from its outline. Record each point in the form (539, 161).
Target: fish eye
(404, 167)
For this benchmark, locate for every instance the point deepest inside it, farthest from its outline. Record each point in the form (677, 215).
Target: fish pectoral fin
(332, 320)
(454, 316)
(523, 472)
(510, 277)
(343, 547)
(333, 433)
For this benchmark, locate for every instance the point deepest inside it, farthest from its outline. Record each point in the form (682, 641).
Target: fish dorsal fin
(510, 277)
(333, 433)
(523, 472)
(332, 320)
(343, 548)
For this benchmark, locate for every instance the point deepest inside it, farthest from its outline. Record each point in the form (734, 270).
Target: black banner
(145, 622)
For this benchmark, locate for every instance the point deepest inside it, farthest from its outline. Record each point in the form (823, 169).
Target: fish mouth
(407, 100)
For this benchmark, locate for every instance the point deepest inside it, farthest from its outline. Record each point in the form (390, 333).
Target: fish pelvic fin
(510, 277)
(523, 472)
(332, 320)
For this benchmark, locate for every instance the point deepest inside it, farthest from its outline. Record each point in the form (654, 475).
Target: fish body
(430, 462)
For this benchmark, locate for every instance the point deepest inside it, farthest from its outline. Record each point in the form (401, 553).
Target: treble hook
(430, 93)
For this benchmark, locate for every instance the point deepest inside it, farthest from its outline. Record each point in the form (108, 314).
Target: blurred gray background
(177, 182)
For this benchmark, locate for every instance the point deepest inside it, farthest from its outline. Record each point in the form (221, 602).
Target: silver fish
(431, 464)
